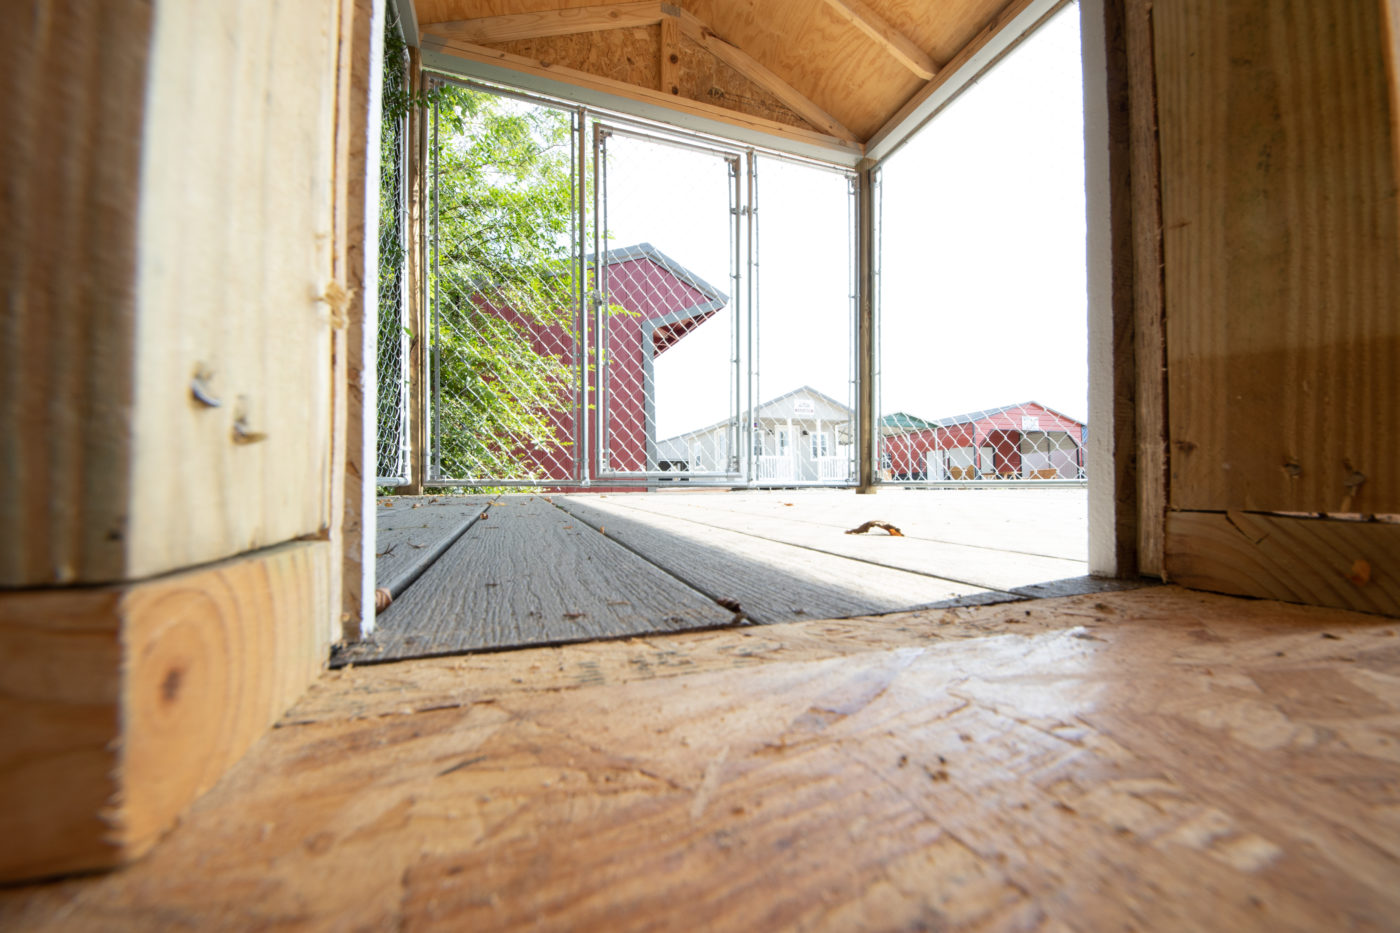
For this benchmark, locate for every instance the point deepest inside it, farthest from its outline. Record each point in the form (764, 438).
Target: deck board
(530, 574)
(414, 532)
(1043, 521)
(771, 582)
(977, 566)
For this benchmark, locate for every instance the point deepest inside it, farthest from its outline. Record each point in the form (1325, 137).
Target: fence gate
(505, 283)
(666, 310)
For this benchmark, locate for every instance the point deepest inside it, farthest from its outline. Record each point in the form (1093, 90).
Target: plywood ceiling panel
(824, 55)
(941, 29)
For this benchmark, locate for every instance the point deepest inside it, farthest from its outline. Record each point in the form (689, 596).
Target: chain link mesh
(392, 352)
(506, 341)
(670, 365)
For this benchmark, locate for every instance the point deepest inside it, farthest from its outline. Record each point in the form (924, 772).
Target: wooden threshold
(1156, 759)
(127, 702)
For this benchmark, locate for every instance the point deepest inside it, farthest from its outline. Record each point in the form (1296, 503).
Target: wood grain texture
(72, 159)
(1390, 10)
(809, 46)
(698, 31)
(496, 57)
(530, 574)
(988, 568)
(1348, 565)
(60, 682)
(822, 55)
(705, 77)
(1282, 255)
(770, 582)
(488, 30)
(414, 533)
(1153, 759)
(1113, 535)
(237, 253)
(988, 30)
(628, 55)
(339, 301)
(1149, 324)
(1037, 521)
(124, 704)
(892, 40)
(669, 56)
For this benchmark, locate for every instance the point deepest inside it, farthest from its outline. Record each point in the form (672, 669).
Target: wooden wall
(1281, 239)
(176, 254)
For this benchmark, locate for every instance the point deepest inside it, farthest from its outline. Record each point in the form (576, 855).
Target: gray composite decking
(483, 573)
(531, 574)
(769, 580)
(412, 533)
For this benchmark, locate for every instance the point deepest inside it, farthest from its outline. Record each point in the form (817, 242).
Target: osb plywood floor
(1151, 760)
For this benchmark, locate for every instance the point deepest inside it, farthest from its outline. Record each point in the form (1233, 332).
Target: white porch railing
(769, 467)
(781, 468)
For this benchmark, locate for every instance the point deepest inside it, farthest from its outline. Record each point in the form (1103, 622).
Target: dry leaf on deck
(866, 526)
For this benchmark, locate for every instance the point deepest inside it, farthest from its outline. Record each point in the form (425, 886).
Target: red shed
(1023, 441)
(659, 301)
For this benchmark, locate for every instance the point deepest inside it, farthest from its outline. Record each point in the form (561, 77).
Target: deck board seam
(817, 550)
(436, 551)
(916, 537)
(739, 616)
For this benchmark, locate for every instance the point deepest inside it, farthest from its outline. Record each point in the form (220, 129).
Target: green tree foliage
(503, 185)
(500, 178)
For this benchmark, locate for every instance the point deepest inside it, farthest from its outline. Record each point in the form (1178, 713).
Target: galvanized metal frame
(602, 131)
(755, 350)
(577, 199)
(399, 477)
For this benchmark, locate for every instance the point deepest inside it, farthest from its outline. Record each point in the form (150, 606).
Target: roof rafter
(466, 57)
(513, 26)
(694, 28)
(895, 42)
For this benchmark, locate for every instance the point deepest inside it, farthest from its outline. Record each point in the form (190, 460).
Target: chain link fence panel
(668, 334)
(507, 342)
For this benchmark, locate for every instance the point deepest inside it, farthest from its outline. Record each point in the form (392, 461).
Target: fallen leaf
(866, 526)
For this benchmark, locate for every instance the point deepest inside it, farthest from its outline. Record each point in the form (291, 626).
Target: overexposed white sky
(982, 264)
(982, 272)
